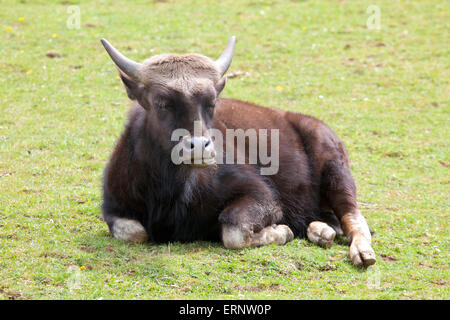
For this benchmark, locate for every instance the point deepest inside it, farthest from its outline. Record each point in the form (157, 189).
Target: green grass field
(62, 107)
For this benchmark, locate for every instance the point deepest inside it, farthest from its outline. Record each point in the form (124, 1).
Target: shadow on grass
(159, 259)
(102, 241)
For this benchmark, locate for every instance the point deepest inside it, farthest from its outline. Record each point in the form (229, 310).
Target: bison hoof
(361, 253)
(279, 234)
(284, 234)
(239, 237)
(234, 237)
(129, 230)
(320, 233)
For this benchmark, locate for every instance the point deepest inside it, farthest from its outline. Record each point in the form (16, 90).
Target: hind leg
(339, 190)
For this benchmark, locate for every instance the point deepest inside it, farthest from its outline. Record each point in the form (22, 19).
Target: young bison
(148, 196)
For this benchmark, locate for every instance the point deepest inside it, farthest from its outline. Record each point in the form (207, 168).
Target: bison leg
(321, 234)
(250, 223)
(358, 233)
(340, 191)
(125, 229)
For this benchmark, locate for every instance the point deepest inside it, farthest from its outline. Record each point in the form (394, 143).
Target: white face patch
(129, 230)
(176, 69)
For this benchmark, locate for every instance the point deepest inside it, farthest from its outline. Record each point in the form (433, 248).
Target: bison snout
(199, 149)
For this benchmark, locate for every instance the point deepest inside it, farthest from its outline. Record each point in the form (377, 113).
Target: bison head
(177, 92)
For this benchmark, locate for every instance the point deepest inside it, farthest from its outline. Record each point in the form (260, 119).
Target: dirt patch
(385, 257)
(88, 248)
(441, 282)
(327, 267)
(52, 55)
(11, 295)
(259, 288)
(426, 264)
(445, 163)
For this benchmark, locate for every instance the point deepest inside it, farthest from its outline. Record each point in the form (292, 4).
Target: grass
(385, 93)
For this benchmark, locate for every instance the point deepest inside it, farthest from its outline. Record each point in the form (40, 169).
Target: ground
(62, 107)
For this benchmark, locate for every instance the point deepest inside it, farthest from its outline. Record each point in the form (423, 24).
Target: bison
(147, 196)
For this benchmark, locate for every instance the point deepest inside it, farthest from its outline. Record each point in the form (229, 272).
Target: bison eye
(161, 107)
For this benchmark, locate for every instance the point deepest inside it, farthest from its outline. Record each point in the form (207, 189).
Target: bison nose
(200, 149)
(191, 144)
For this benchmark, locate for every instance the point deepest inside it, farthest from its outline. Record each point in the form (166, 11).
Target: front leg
(247, 222)
(125, 229)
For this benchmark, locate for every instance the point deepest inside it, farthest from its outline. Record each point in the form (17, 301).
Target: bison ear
(135, 90)
(133, 87)
(220, 85)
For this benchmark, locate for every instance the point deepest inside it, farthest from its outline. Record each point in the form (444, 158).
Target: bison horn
(223, 63)
(127, 66)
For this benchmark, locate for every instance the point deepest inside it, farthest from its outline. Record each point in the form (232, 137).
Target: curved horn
(223, 63)
(129, 67)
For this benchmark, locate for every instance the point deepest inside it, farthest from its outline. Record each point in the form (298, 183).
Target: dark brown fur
(232, 202)
(142, 183)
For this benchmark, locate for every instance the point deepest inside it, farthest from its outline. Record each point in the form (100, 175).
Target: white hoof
(282, 234)
(320, 233)
(234, 237)
(279, 234)
(361, 253)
